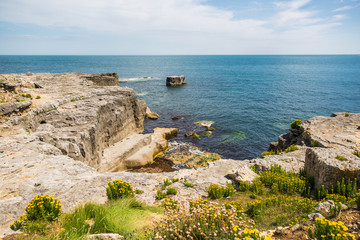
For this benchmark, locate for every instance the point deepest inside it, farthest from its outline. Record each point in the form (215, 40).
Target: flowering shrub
(292, 148)
(119, 189)
(279, 180)
(327, 230)
(202, 220)
(170, 204)
(216, 192)
(345, 188)
(253, 234)
(41, 207)
(296, 124)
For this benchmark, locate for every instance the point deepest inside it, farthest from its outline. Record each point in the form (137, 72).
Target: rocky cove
(69, 134)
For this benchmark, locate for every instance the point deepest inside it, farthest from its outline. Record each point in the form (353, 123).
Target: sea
(251, 99)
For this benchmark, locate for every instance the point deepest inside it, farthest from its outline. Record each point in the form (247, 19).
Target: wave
(138, 79)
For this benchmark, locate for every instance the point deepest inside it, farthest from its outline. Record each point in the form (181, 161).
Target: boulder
(323, 165)
(175, 81)
(151, 115)
(192, 134)
(241, 174)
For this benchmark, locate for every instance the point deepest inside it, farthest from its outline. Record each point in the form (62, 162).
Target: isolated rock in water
(192, 134)
(175, 81)
(175, 118)
(151, 115)
(241, 174)
(323, 164)
(206, 124)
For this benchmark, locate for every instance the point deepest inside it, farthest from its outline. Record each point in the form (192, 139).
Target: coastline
(54, 144)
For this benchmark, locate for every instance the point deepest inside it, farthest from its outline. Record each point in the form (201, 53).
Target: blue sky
(118, 27)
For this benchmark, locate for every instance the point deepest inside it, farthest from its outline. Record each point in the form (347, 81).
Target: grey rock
(325, 207)
(104, 79)
(175, 81)
(314, 216)
(14, 107)
(105, 236)
(327, 170)
(241, 174)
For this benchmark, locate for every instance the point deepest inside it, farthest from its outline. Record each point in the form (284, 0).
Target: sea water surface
(251, 98)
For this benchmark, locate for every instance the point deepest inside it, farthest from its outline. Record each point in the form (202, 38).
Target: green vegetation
(341, 158)
(267, 153)
(27, 131)
(38, 97)
(27, 95)
(160, 194)
(138, 191)
(73, 100)
(119, 189)
(296, 124)
(346, 114)
(215, 191)
(314, 143)
(188, 184)
(292, 148)
(171, 191)
(328, 230)
(49, 110)
(41, 207)
(2, 80)
(356, 153)
(344, 188)
(2, 101)
(174, 180)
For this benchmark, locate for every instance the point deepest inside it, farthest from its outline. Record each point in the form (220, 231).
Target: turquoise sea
(251, 98)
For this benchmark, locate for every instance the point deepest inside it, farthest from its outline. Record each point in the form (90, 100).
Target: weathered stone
(327, 170)
(104, 79)
(173, 81)
(151, 115)
(14, 107)
(241, 174)
(192, 134)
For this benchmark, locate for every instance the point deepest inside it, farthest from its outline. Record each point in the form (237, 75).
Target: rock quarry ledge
(80, 131)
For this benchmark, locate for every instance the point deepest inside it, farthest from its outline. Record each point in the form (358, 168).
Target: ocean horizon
(251, 99)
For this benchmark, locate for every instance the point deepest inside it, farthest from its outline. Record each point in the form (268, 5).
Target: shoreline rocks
(57, 145)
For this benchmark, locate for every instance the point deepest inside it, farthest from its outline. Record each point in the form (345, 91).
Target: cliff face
(72, 113)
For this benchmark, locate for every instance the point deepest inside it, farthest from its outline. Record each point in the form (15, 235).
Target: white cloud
(183, 24)
(348, 7)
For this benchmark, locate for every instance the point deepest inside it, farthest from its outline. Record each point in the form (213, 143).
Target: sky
(179, 27)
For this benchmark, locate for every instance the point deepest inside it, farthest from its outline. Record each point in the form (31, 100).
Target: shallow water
(251, 99)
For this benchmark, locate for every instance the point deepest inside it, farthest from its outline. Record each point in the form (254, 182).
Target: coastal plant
(119, 189)
(290, 209)
(138, 191)
(253, 234)
(296, 124)
(347, 188)
(174, 180)
(328, 230)
(337, 198)
(216, 192)
(170, 204)
(171, 191)
(257, 187)
(188, 184)
(167, 182)
(267, 153)
(346, 114)
(357, 200)
(41, 207)
(38, 97)
(335, 210)
(292, 148)
(2, 101)
(356, 153)
(160, 194)
(314, 143)
(28, 95)
(201, 220)
(341, 158)
(279, 180)
(244, 186)
(73, 100)
(255, 170)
